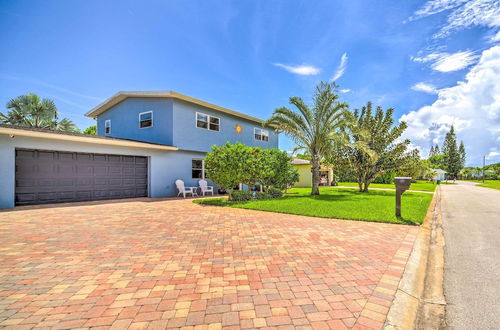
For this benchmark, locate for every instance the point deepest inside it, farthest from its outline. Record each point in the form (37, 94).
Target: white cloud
(423, 87)
(305, 70)
(496, 37)
(493, 154)
(463, 14)
(345, 90)
(472, 105)
(445, 62)
(341, 68)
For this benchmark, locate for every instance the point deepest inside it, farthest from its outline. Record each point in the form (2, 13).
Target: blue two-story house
(145, 141)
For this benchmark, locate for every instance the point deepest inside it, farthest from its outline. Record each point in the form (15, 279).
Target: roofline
(85, 139)
(122, 95)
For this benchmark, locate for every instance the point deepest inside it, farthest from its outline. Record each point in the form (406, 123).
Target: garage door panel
(115, 182)
(65, 182)
(84, 182)
(84, 169)
(25, 183)
(100, 170)
(83, 157)
(114, 170)
(66, 156)
(84, 195)
(52, 176)
(46, 182)
(141, 160)
(114, 159)
(44, 155)
(47, 196)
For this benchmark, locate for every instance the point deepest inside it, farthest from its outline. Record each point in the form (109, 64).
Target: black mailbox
(402, 184)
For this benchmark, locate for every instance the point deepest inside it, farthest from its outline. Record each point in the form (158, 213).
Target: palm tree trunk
(315, 174)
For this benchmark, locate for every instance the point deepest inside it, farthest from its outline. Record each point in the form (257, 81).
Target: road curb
(419, 301)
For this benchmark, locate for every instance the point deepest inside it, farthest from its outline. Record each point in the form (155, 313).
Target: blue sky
(251, 56)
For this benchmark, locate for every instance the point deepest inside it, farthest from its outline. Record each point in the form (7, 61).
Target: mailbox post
(402, 184)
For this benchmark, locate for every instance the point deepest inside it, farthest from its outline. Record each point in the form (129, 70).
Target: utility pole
(484, 165)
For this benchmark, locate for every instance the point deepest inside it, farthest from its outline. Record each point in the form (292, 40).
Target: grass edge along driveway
(376, 205)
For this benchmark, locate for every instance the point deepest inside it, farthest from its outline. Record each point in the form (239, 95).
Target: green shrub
(275, 193)
(241, 195)
(263, 195)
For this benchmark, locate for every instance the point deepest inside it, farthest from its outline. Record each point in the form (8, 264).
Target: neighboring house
(145, 141)
(440, 174)
(305, 174)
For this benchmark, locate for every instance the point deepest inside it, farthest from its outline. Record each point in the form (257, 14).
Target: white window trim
(263, 132)
(106, 126)
(202, 169)
(208, 122)
(152, 121)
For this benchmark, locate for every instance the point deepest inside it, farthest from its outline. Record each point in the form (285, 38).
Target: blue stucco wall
(174, 123)
(125, 120)
(187, 136)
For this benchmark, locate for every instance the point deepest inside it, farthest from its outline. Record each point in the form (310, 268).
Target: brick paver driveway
(172, 263)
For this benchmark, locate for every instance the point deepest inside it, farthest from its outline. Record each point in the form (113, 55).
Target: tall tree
(32, 111)
(373, 149)
(437, 152)
(312, 128)
(452, 158)
(463, 154)
(432, 152)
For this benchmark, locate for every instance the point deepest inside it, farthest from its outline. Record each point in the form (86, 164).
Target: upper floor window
(198, 169)
(107, 126)
(146, 119)
(207, 122)
(261, 134)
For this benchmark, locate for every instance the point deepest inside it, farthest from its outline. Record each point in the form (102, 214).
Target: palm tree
(31, 111)
(312, 128)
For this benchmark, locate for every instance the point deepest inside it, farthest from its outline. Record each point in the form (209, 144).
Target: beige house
(305, 175)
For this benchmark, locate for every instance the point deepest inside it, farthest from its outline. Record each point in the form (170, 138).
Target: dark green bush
(241, 195)
(263, 195)
(275, 193)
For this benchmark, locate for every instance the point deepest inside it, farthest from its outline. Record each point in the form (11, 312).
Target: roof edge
(122, 95)
(86, 139)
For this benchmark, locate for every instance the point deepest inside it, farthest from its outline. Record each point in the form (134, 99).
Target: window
(261, 134)
(198, 169)
(207, 122)
(146, 119)
(107, 126)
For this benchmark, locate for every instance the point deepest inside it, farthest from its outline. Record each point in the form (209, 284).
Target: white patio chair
(205, 188)
(185, 190)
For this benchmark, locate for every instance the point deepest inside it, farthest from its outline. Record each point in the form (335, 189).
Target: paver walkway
(171, 263)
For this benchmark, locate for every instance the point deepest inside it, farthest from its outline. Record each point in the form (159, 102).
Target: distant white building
(440, 174)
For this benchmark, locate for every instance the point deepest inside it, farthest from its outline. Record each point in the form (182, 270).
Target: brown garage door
(56, 176)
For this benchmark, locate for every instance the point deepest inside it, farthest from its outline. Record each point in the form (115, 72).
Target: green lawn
(376, 205)
(495, 184)
(419, 185)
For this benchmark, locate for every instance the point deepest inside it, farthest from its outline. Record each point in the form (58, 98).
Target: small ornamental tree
(276, 170)
(232, 164)
(228, 165)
